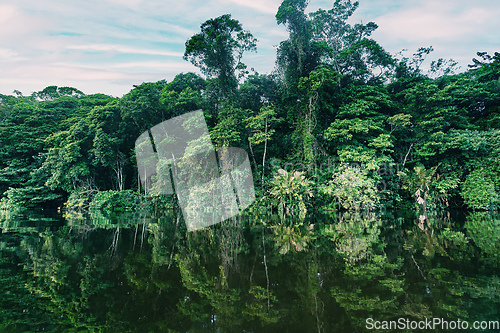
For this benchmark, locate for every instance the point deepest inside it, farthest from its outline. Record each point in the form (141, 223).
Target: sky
(107, 46)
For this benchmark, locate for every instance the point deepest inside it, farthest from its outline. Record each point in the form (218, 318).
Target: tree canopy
(338, 106)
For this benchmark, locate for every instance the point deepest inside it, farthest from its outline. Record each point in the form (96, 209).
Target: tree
(186, 80)
(217, 50)
(319, 91)
(141, 108)
(177, 103)
(258, 90)
(488, 69)
(230, 128)
(290, 190)
(300, 54)
(358, 132)
(478, 191)
(348, 50)
(353, 189)
(26, 123)
(52, 93)
(260, 126)
(93, 150)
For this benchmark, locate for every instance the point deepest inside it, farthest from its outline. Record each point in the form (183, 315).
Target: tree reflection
(259, 273)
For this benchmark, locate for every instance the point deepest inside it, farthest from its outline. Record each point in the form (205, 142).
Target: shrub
(478, 191)
(117, 201)
(290, 190)
(353, 189)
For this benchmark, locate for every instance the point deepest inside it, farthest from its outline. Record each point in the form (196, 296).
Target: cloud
(127, 3)
(75, 42)
(7, 12)
(108, 45)
(455, 28)
(9, 55)
(433, 22)
(158, 65)
(123, 49)
(18, 25)
(115, 80)
(264, 6)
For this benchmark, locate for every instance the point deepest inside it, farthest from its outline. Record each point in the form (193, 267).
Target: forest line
(340, 123)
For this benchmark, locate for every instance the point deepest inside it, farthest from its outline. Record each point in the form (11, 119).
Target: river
(344, 272)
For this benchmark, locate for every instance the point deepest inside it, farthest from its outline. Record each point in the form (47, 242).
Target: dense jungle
(377, 183)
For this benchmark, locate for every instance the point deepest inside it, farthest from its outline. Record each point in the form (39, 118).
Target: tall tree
(262, 131)
(217, 50)
(348, 48)
(298, 55)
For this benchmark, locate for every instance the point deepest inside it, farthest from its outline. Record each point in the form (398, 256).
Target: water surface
(254, 273)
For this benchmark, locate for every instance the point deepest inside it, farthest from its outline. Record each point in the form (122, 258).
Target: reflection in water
(253, 273)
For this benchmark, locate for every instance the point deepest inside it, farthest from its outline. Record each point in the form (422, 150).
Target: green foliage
(366, 125)
(399, 121)
(261, 127)
(484, 229)
(258, 90)
(230, 128)
(488, 69)
(289, 191)
(90, 150)
(295, 237)
(160, 203)
(353, 189)
(29, 197)
(117, 201)
(300, 54)
(478, 191)
(218, 48)
(178, 103)
(319, 91)
(80, 199)
(336, 98)
(186, 80)
(348, 49)
(26, 123)
(427, 187)
(457, 238)
(259, 308)
(141, 108)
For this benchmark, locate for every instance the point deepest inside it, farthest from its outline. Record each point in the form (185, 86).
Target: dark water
(257, 273)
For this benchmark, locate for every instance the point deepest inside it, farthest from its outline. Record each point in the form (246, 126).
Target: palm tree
(289, 189)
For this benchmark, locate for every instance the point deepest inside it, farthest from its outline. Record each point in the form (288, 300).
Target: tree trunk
(264, 157)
